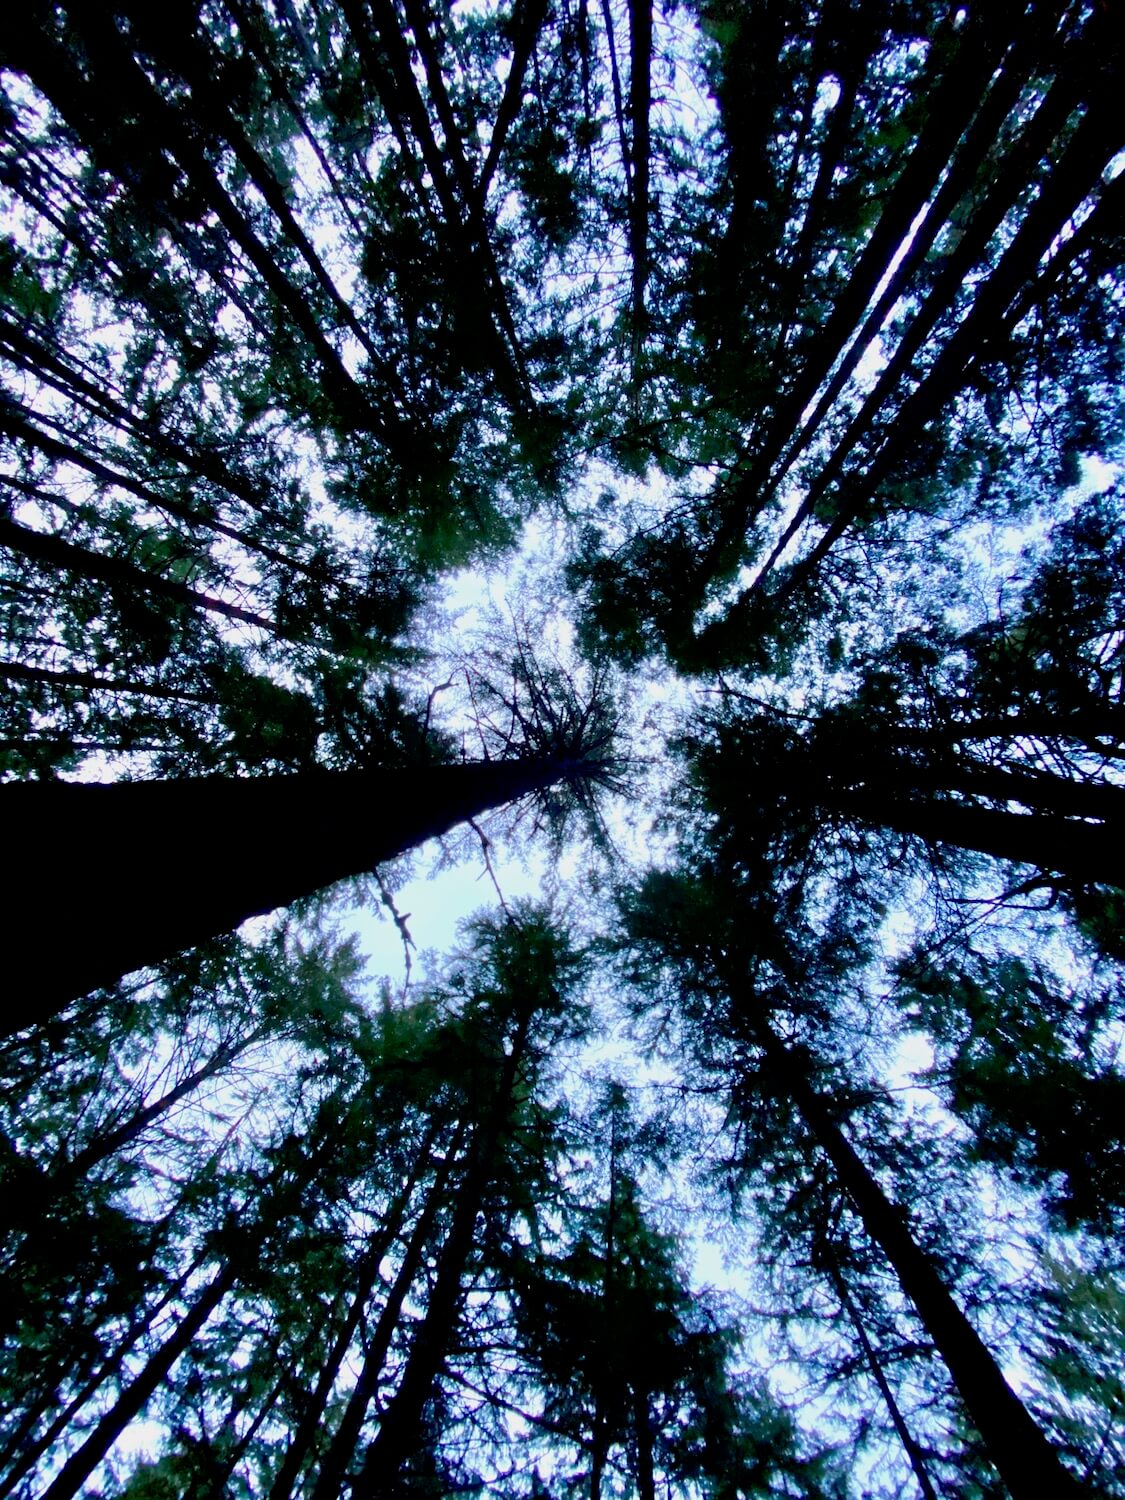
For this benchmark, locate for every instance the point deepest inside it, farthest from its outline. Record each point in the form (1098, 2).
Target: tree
(299, 835)
(792, 334)
(737, 973)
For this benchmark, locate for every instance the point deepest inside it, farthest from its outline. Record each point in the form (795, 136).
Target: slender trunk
(367, 1272)
(974, 148)
(528, 17)
(970, 248)
(220, 1489)
(330, 1480)
(642, 1435)
(54, 366)
(14, 671)
(640, 98)
(26, 1450)
(105, 1145)
(159, 866)
(39, 1188)
(910, 1447)
(85, 104)
(1025, 1460)
(464, 221)
(54, 552)
(399, 1428)
(131, 1402)
(603, 1376)
(1076, 174)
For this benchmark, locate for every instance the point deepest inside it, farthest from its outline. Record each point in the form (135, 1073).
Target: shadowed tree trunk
(1026, 1461)
(401, 1421)
(131, 1402)
(331, 1478)
(105, 879)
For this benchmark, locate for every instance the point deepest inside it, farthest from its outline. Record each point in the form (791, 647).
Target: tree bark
(910, 1447)
(367, 1272)
(117, 572)
(330, 1480)
(399, 1428)
(131, 1402)
(105, 879)
(1025, 1460)
(1066, 846)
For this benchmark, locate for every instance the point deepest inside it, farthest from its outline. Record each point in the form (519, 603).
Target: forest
(663, 459)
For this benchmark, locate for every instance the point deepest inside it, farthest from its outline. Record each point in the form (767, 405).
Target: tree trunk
(642, 1434)
(367, 1271)
(14, 671)
(640, 100)
(398, 1431)
(105, 879)
(131, 1402)
(44, 547)
(910, 1447)
(330, 1480)
(23, 1449)
(1025, 1460)
(1067, 846)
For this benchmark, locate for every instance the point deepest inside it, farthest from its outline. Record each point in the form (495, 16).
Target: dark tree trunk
(131, 1402)
(366, 1274)
(26, 1450)
(330, 1480)
(1066, 846)
(401, 1422)
(878, 1374)
(54, 552)
(1025, 1460)
(642, 1434)
(528, 17)
(14, 671)
(105, 879)
(640, 100)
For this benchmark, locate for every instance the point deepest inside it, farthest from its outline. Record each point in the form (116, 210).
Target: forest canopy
(763, 362)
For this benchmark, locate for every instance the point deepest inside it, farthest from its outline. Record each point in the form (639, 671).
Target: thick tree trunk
(1067, 846)
(1025, 1460)
(105, 879)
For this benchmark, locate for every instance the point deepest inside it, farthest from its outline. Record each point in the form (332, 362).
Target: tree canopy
(762, 363)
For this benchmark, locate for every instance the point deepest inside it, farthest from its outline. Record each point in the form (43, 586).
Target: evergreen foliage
(793, 334)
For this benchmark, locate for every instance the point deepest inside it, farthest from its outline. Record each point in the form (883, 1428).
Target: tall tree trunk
(131, 1402)
(1067, 846)
(640, 100)
(23, 1449)
(1025, 1460)
(401, 1422)
(642, 1435)
(14, 671)
(330, 1480)
(528, 17)
(54, 552)
(878, 1374)
(105, 879)
(366, 1272)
